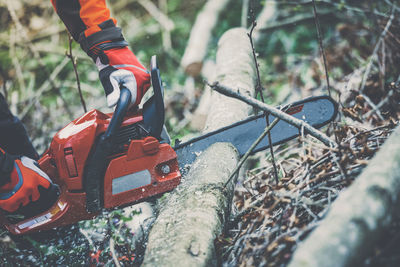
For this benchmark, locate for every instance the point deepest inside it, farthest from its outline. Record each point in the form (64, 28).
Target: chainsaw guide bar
(316, 111)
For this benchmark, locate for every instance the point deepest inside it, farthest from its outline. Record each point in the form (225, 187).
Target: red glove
(22, 184)
(117, 65)
(120, 67)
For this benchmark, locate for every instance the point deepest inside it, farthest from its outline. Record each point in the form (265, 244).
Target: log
(196, 49)
(359, 216)
(191, 216)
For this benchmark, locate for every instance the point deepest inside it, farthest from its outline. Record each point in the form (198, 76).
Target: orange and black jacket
(89, 23)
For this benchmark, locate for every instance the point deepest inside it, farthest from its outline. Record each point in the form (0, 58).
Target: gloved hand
(117, 65)
(21, 186)
(120, 67)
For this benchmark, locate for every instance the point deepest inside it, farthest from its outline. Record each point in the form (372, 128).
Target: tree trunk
(196, 49)
(359, 216)
(191, 217)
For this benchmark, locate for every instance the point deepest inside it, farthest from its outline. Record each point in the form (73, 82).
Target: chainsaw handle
(120, 111)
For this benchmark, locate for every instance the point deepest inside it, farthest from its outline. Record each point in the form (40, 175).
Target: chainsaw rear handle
(97, 166)
(119, 113)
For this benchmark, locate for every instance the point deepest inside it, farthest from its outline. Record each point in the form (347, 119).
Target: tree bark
(196, 49)
(359, 216)
(191, 216)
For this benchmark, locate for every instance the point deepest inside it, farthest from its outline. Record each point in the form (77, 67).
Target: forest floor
(269, 219)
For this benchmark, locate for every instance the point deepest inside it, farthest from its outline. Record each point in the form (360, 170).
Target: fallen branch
(359, 216)
(274, 111)
(159, 16)
(200, 35)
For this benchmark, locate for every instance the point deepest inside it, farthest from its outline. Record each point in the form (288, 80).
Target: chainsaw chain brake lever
(153, 109)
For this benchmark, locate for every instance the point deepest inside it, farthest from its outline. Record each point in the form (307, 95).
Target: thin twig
(375, 51)
(14, 59)
(113, 253)
(259, 90)
(258, 85)
(86, 235)
(78, 82)
(373, 106)
(274, 111)
(250, 150)
(321, 46)
(339, 6)
(45, 86)
(293, 21)
(379, 105)
(271, 150)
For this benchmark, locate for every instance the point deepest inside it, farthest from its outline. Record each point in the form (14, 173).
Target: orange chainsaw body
(103, 161)
(138, 170)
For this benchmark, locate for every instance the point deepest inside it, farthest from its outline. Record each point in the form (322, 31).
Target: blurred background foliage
(40, 85)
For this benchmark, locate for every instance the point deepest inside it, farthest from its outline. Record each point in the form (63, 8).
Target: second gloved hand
(119, 67)
(20, 181)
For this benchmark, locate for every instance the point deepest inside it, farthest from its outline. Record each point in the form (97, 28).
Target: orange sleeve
(83, 16)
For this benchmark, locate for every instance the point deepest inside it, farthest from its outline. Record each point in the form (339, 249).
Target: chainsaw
(105, 161)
